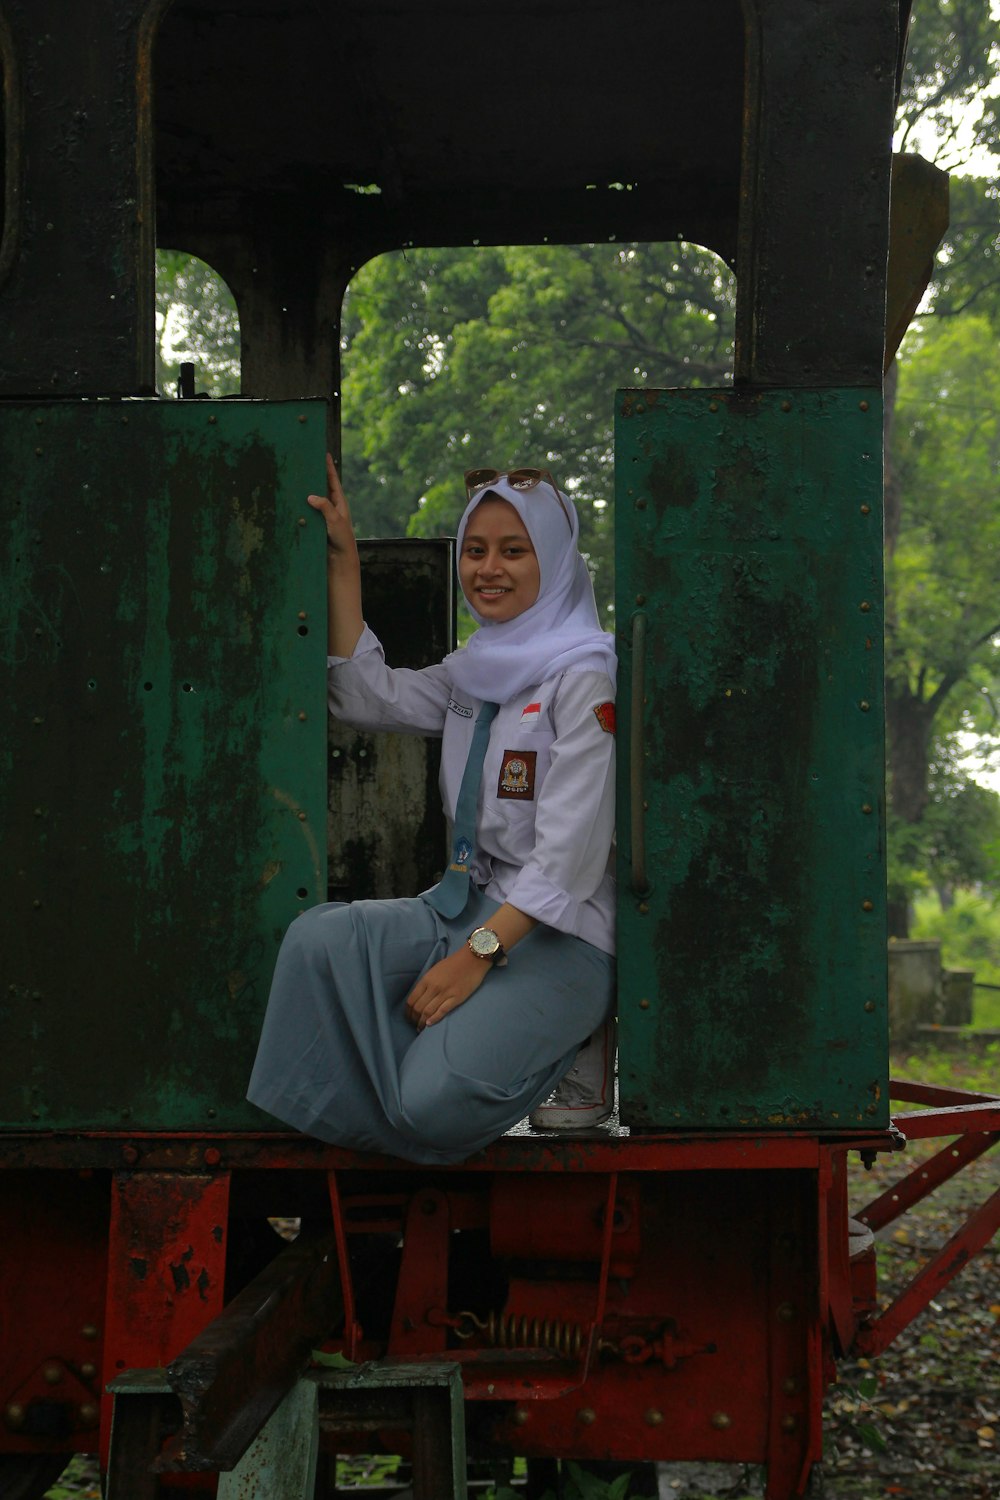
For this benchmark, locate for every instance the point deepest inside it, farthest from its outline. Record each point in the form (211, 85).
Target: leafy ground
(923, 1423)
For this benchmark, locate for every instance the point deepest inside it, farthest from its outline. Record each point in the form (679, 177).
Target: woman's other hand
(336, 513)
(445, 987)
(343, 570)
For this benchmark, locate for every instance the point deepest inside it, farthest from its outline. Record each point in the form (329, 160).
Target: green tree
(942, 591)
(196, 321)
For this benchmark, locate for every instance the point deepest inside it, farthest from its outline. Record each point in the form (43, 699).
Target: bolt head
(785, 1312)
(789, 1423)
(89, 1414)
(52, 1374)
(14, 1415)
(721, 1420)
(653, 1418)
(586, 1415)
(520, 1417)
(88, 1371)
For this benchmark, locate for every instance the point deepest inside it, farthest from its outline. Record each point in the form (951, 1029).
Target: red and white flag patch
(531, 713)
(606, 717)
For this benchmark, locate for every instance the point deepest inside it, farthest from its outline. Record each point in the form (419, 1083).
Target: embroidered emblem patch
(606, 717)
(460, 709)
(517, 774)
(531, 713)
(460, 857)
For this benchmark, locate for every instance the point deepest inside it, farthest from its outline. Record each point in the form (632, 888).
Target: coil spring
(517, 1331)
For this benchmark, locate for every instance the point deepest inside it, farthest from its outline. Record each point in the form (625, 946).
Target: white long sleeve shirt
(546, 819)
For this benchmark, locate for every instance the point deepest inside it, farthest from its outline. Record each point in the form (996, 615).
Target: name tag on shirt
(459, 708)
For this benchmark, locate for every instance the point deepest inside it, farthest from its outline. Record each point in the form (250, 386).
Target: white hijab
(560, 632)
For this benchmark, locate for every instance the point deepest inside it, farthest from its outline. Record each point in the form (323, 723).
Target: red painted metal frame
(708, 1330)
(975, 1120)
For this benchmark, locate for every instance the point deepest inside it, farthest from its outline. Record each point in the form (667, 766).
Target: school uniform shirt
(545, 827)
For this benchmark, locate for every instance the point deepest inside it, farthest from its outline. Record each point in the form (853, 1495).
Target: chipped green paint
(163, 753)
(752, 972)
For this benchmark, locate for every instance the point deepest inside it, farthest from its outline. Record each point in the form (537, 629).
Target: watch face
(483, 942)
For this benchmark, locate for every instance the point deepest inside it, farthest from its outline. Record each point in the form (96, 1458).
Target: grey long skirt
(338, 1058)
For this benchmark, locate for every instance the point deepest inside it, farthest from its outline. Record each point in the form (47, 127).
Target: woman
(425, 1027)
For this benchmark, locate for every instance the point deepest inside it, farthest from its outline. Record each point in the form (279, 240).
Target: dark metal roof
(571, 119)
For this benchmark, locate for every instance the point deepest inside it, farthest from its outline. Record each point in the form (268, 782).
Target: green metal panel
(752, 969)
(163, 757)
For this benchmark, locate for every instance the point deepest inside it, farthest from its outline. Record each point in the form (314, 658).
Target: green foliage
(577, 1484)
(950, 98)
(196, 320)
(969, 931)
(944, 573)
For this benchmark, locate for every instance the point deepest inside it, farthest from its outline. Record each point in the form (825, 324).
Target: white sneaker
(586, 1096)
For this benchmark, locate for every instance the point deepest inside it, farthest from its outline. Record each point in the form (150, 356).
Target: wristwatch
(484, 943)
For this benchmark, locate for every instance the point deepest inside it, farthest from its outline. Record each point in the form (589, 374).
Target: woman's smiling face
(498, 568)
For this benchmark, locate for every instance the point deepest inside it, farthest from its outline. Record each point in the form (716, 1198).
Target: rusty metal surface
(161, 760)
(398, 124)
(238, 1369)
(386, 830)
(813, 233)
(76, 267)
(751, 973)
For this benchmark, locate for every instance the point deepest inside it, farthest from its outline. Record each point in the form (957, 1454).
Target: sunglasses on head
(518, 479)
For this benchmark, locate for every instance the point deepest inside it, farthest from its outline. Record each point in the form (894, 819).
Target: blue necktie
(451, 894)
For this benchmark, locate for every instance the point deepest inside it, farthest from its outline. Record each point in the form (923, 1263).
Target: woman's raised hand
(336, 513)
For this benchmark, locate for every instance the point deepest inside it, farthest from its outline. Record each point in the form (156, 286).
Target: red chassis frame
(641, 1297)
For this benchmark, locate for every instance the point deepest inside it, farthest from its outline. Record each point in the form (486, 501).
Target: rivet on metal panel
(721, 1420)
(301, 817)
(713, 406)
(303, 615)
(38, 633)
(785, 1312)
(303, 418)
(866, 807)
(88, 1371)
(866, 510)
(302, 718)
(586, 1415)
(520, 1417)
(38, 812)
(89, 1414)
(789, 1423)
(790, 1386)
(130, 1155)
(639, 408)
(870, 1006)
(786, 406)
(14, 1415)
(864, 705)
(302, 520)
(871, 1109)
(210, 1113)
(36, 1114)
(643, 908)
(37, 720)
(38, 452)
(124, 421)
(88, 1331)
(864, 606)
(36, 903)
(643, 1004)
(653, 1418)
(213, 420)
(867, 906)
(52, 1374)
(211, 1156)
(640, 505)
(38, 421)
(863, 405)
(640, 598)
